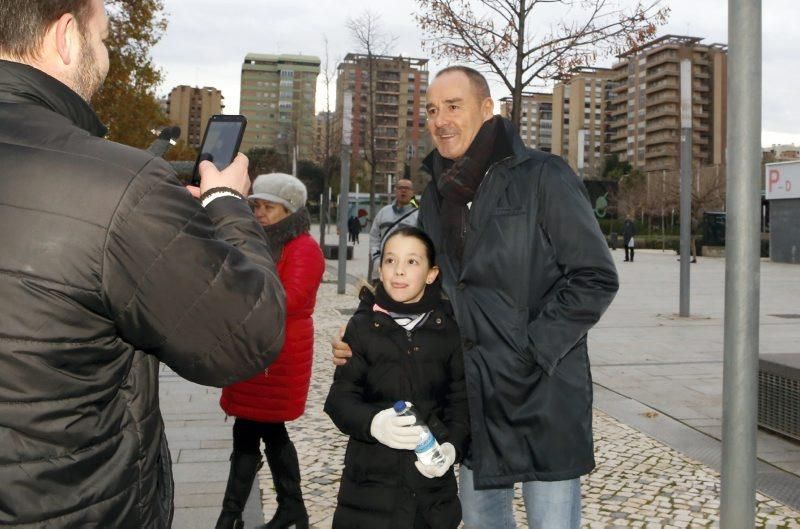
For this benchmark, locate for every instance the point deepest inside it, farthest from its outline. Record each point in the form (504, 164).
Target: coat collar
(492, 187)
(20, 83)
(380, 320)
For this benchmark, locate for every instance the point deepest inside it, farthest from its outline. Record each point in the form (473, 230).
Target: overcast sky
(206, 42)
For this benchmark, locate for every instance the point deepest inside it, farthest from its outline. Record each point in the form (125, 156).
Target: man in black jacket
(528, 273)
(108, 267)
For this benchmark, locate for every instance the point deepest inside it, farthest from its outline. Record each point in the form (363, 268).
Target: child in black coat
(406, 347)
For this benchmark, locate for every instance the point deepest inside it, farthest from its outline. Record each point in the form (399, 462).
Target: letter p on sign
(774, 178)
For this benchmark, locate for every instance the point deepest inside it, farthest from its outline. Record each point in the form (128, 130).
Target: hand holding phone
(235, 176)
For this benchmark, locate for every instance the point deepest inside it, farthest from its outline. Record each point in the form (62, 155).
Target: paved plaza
(658, 380)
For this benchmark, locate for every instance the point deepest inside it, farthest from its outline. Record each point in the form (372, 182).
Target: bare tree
(372, 41)
(498, 35)
(327, 76)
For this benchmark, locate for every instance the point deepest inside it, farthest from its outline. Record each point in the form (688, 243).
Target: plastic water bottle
(428, 451)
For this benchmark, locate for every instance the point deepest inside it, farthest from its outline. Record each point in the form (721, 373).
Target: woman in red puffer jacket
(263, 404)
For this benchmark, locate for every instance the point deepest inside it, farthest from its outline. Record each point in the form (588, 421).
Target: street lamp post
(742, 266)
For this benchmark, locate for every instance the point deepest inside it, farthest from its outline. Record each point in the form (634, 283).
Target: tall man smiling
(528, 273)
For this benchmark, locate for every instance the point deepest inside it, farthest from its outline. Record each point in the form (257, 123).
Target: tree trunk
(516, 95)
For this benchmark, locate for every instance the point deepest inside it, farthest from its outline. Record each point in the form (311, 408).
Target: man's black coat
(535, 277)
(108, 266)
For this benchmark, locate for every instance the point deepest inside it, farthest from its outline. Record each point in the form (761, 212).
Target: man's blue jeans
(548, 504)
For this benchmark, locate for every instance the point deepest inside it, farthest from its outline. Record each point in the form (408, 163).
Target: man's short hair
(23, 24)
(476, 79)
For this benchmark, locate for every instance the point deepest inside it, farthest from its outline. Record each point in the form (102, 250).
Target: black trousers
(629, 251)
(248, 434)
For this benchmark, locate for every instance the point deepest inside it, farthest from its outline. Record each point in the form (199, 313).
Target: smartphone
(221, 142)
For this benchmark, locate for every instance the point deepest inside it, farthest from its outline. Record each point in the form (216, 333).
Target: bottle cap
(399, 406)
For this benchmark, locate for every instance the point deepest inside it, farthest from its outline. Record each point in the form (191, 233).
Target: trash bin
(331, 251)
(613, 240)
(714, 228)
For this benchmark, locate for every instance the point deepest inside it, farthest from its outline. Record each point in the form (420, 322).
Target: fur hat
(281, 188)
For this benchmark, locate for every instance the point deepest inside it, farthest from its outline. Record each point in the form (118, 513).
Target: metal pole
(663, 214)
(686, 182)
(344, 199)
(742, 266)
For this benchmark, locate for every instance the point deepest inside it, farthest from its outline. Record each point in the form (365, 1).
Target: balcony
(700, 139)
(664, 164)
(663, 111)
(664, 97)
(618, 147)
(621, 89)
(662, 139)
(621, 135)
(700, 126)
(667, 84)
(621, 110)
(663, 152)
(385, 88)
(385, 133)
(663, 124)
(662, 58)
(658, 73)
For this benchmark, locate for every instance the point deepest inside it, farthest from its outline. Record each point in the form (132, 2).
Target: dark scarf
(280, 233)
(20, 83)
(458, 181)
(429, 301)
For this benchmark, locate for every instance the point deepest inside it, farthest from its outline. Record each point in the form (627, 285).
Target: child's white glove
(395, 431)
(437, 471)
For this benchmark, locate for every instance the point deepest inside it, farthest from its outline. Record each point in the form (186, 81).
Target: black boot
(240, 481)
(283, 464)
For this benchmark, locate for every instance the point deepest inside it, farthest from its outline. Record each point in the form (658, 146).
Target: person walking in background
(263, 404)
(406, 347)
(354, 228)
(108, 268)
(628, 232)
(400, 212)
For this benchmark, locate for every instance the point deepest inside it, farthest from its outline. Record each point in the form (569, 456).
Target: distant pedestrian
(628, 232)
(354, 229)
(402, 211)
(263, 404)
(406, 347)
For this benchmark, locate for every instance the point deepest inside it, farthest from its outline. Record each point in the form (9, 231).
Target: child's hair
(411, 231)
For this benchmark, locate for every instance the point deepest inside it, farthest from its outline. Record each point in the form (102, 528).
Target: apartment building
(782, 153)
(644, 104)
(190, 107)
(321, 135)
(278, 95)
(398, 86)
(536, 119)
(579, 119)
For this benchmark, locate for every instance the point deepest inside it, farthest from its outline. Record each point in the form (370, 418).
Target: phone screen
(221, 142)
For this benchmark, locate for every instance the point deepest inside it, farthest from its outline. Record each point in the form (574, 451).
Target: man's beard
(89, 78)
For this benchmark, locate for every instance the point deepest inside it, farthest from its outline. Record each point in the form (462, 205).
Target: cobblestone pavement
(638, 482)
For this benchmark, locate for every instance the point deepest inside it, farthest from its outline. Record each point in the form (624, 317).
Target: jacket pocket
(523, 349)
(504, 211)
